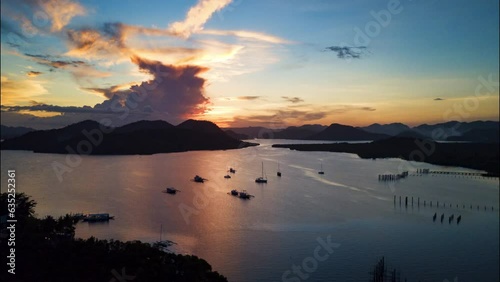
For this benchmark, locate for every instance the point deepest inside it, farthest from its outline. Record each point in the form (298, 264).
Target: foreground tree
(46, 250)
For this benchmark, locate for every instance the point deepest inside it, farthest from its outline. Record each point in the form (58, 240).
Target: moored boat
(261, 179)
(199, 179)
(321, 171)
(171, 190)
(244, 195)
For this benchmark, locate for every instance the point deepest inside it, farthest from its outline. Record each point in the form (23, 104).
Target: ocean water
(300, 227)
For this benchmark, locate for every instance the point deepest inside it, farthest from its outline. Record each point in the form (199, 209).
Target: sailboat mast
(262, 169)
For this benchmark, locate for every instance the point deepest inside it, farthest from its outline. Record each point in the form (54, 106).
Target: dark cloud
(347, 52)
(348, 108)
(248, 97)
(53, 62)
(293, 114)
(174, 94)
(33, 73)
(53, 108)
(293, 99)
(439, 99)
(175, 90)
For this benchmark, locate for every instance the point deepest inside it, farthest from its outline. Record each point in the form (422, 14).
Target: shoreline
(478, 156)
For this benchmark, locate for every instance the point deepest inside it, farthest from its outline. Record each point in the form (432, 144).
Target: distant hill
(472, 155)
(201, 126)
(442, 131)
(11, 131)
(251, 131)
(412, 134)
(299, 132)
(236, 135)
(291, 132)
(391, 129)
(339, 132)
(144, 125)
(144, 137)
(478, 135)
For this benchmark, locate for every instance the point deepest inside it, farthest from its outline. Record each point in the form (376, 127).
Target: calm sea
(289, 221)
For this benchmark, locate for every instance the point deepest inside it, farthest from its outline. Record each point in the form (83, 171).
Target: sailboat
(261, 179)
(279, 172)
(321, 171)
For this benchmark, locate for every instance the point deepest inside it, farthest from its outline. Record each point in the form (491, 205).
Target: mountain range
(477, 131)
(143, 137)
(11, 132)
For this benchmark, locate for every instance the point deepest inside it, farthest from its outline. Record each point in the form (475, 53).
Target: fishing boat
(279, 172)
(321, 171)
(244, 195)
(261, 179)
(227, 176)
(95, 217)
(170, 190)
(199, 179)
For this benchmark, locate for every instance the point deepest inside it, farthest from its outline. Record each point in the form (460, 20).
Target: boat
(95, 217)
(442, 217)
(171, 190)
(227, 176)
(199, 179)
(232, 170)
(261, 179)
(459, 218)
(244, 195)
(279, 172)
(321, 171)
(234, 192)
(434, 217)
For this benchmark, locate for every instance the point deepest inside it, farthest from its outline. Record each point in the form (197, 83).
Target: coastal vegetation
(46, 250)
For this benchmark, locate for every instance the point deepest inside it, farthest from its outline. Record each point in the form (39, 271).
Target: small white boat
(321, 171)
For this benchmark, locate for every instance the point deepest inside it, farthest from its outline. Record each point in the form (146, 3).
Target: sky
(272, 63)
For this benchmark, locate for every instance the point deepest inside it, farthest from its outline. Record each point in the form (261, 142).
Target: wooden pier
(409, 201)
(393, 177)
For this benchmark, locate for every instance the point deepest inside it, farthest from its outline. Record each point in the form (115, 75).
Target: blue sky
(260, 62)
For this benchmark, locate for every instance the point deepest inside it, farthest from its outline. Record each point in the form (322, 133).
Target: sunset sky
(249, 62)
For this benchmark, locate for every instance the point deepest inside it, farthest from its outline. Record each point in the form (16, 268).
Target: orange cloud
(20, 91)
(61, 12)
(197, 16)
